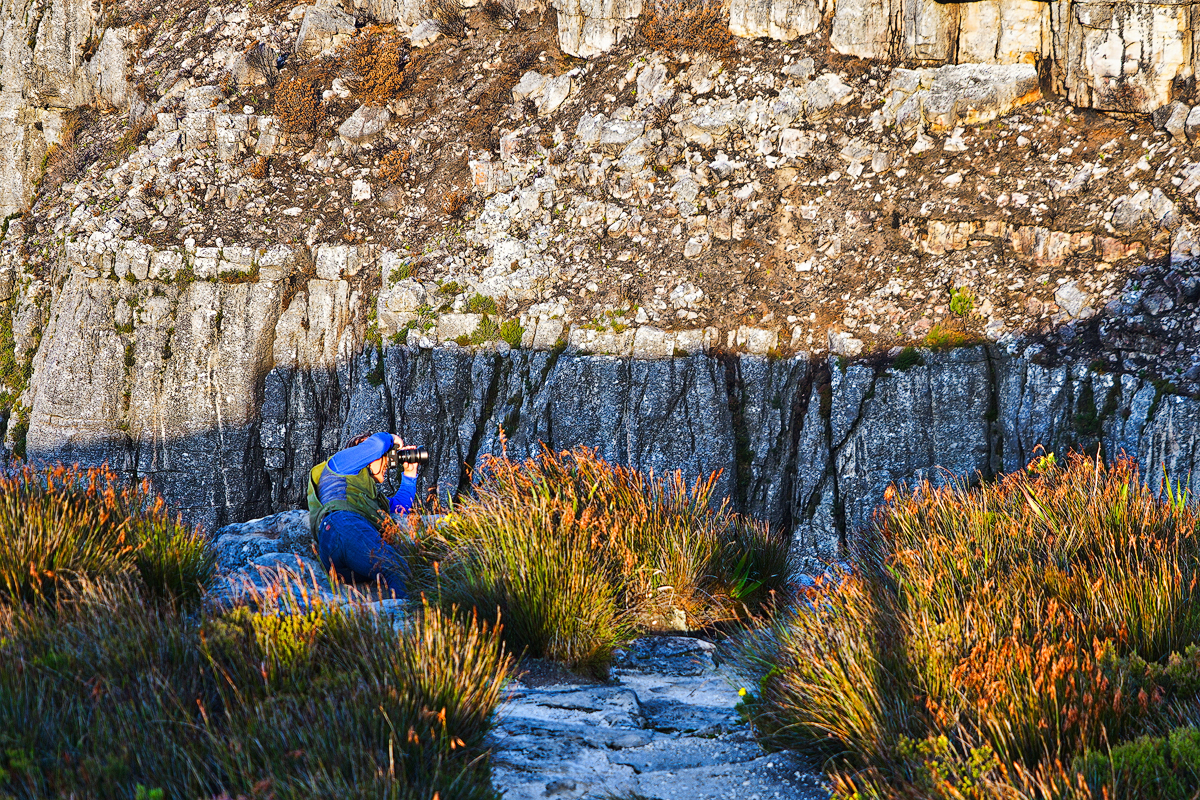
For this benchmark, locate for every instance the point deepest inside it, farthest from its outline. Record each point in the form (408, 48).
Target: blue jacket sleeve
(402, 500)
(351, 460)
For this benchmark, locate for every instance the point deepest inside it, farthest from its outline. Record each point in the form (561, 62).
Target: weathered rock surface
(664, 727)
(808, 445)
(588, 27)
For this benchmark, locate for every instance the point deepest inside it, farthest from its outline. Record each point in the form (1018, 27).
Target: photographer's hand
(410, 470)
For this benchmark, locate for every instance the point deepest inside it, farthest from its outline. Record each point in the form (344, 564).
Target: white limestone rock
(556, 92)
(778, 19)
(944, 98)
(424, 33)
(531, 85)
(756, 341)
(590, 27)
(650, 342)
(1071, 298)
(453, 326)
(365, 124)
(324, 29)
(1124, 56)
(844, 344)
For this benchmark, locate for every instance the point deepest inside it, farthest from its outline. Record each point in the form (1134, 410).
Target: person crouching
(347, 511)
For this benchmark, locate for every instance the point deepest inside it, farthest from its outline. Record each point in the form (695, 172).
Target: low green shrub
(512, 332)
(1162, 767)
(907, 359)
(962, 302)
(481, 304)
(574, 555)
(941, 337)
(1033, 619)
(60, 525)
(107, 693)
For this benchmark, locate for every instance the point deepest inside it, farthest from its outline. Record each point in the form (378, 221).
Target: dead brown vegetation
(503, 12)
(375, 62)
(304, 268)
(64, 160)
(449, 16)
(134, 133)
(687, 25)
(259, 167)
(262, 59)
(392, 166)
(298, 104)
(453, 203)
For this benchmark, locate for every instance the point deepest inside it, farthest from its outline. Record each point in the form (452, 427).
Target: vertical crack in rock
(500, 369)
(801, 399)
(735, 397)
(995, 435)
(837, 446)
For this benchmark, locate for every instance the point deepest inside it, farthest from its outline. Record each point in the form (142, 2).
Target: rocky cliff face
(810, 445)
(1125, 56)
(242, 234)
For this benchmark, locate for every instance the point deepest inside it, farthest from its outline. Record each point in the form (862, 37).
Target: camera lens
(413, 455)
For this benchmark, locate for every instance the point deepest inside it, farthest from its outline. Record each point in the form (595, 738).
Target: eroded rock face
(1120, 56)
(809, 445)
(1124, 56)
(943, 98)
(658, 258)
(588, 27)
(46, 73)
(778, 19)
(666, 726)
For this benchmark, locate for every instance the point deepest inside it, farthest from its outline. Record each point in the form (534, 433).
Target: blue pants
(352, 547)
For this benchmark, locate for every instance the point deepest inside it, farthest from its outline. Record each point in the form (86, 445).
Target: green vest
(362, 497)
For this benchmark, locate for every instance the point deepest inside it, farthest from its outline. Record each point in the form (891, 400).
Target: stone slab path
(664, 728)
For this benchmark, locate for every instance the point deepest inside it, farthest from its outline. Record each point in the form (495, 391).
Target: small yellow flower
(742, 692)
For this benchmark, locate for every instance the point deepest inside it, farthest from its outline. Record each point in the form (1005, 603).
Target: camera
(399, 456)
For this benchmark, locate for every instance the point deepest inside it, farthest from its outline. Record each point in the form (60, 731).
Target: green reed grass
(61, 525)
(1024, 623)
(575, 554)
(106, 691)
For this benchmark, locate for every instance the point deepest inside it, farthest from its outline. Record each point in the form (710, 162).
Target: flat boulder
(365, 124)
(943, 98)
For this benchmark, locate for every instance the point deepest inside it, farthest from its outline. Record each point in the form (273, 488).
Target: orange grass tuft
(1032, 619)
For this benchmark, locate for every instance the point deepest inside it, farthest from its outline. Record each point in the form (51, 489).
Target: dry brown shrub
(304, 268)
(392, 167)
(259, 167)
(376, 62)
(89, 47)
(449, 16)
(135, 132)
(298, 103)
(453, 203)
(263, 59)
(503, 12)
(65, 159)
(687, 25)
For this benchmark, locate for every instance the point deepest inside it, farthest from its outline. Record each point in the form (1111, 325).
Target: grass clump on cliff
(112, 686)
(575, 555)
(999, 642)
